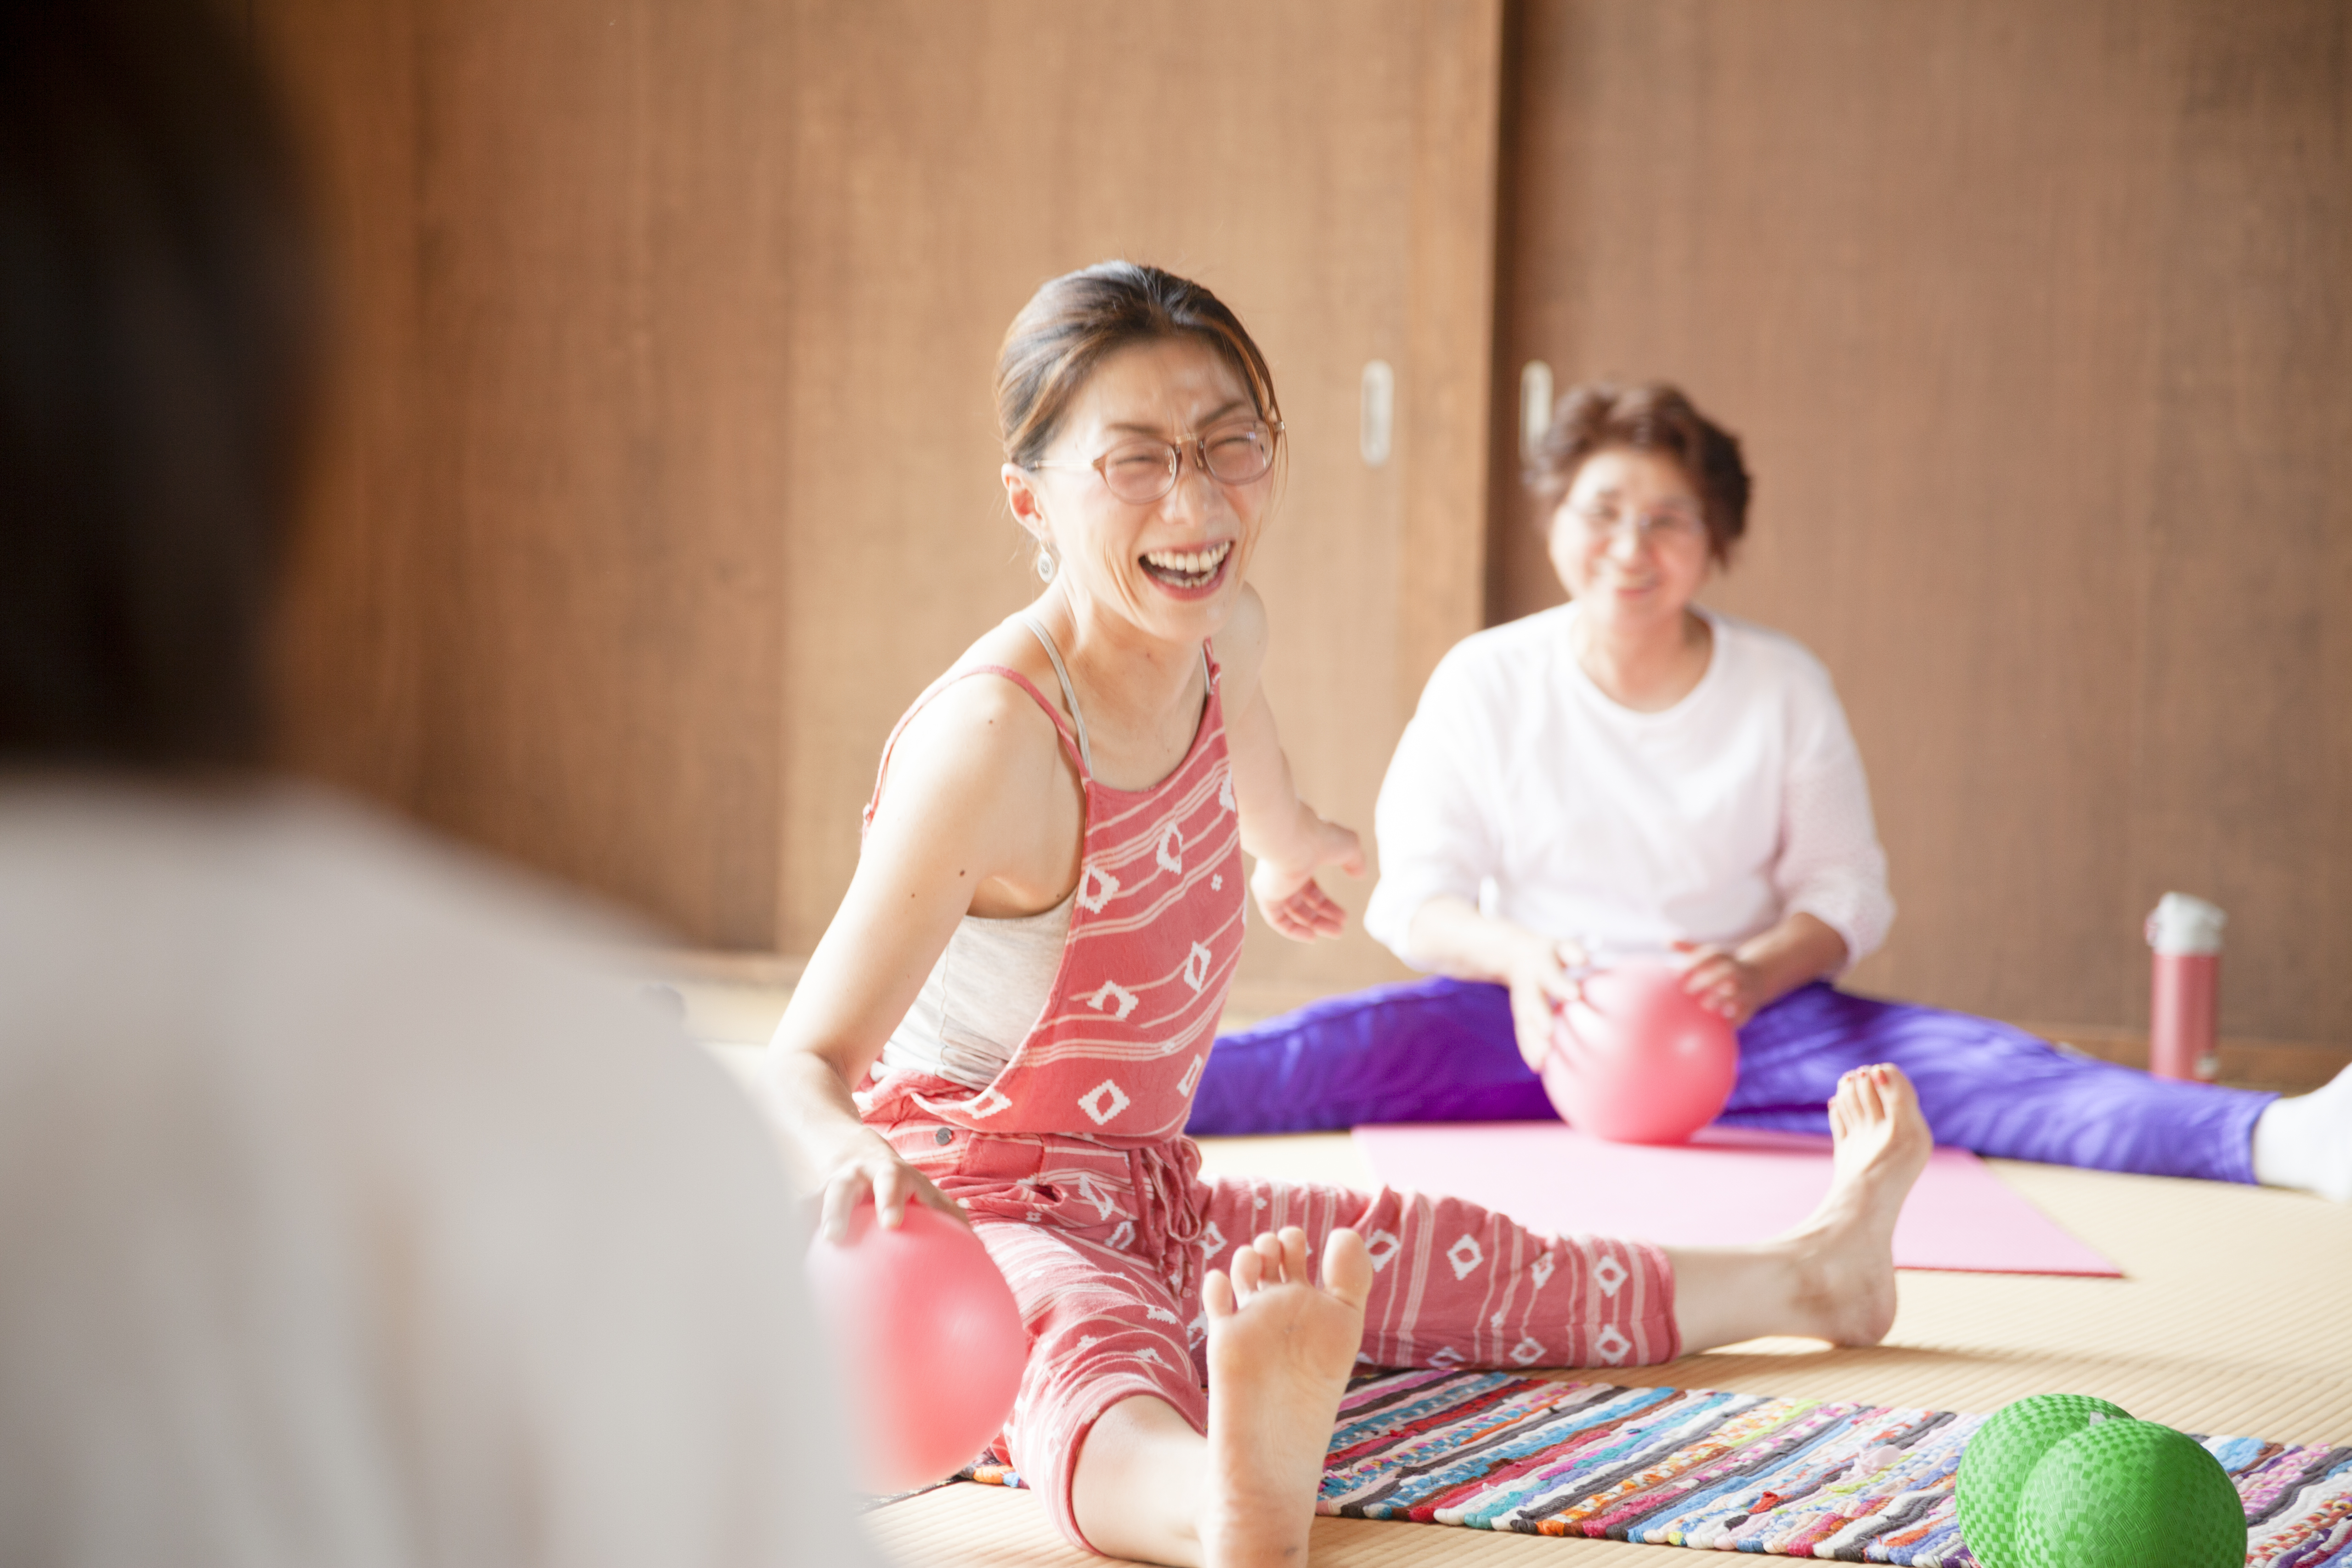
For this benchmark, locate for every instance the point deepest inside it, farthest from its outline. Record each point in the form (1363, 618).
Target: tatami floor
(2234, 1315)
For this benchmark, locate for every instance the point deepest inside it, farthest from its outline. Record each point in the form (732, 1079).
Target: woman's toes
(1347, 1266)
(1293, 1255)
(1217, 1295)
(1249, 1272)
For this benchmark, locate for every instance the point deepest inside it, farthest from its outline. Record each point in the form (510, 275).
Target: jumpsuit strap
(1076, 753)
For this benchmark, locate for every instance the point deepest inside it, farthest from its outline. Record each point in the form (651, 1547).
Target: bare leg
(1280, 1349)
(1832, 1278)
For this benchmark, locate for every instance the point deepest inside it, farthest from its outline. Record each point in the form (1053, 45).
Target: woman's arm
(1830, 873)
(1290, 841)
(970, 800)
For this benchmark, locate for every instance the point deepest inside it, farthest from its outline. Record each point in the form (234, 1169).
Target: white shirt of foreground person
(1707, 822)
(347, 1218)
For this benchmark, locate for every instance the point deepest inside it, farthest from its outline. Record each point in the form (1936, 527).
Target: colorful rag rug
(1732, 1472)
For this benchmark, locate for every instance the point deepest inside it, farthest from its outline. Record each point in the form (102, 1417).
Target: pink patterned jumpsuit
(1074, 1169)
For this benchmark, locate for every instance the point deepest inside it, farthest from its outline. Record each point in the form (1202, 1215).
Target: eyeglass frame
(1198, 445)
(1654, 526)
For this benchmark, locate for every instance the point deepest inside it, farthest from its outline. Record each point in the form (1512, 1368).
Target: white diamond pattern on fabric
(989, 1103)
(1171, 849)
(1096, 888)
(1610, 1345)
(1103, 1101)
(1465, 1255)
(1192, 1075)
(1196, 965)
(1609, 1274)
(1381, 1245)
(1091, 1192)
(1542, 1271)
(1225, 789)
(1212, 1242)
(1115, 999)
(1527, 1351)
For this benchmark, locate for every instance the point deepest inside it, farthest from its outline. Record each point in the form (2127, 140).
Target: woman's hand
(1292, 902)
(1739, 982)
(871, 1166)
(1723, 983)
(1290, 839)
(1542, 980)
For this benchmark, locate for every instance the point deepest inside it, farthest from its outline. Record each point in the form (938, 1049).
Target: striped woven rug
(1671, 1467)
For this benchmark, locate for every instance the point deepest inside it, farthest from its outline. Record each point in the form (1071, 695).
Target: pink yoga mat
(1727, 1185)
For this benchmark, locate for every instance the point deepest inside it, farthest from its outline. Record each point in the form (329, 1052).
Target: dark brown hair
(1078, 319)
(1651, 417)
(156, 312)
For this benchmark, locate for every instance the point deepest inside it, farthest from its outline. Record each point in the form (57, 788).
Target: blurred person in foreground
(346, 1216)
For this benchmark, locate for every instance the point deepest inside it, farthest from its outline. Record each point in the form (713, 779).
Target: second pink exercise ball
(1638, 1059)
(931, 1342)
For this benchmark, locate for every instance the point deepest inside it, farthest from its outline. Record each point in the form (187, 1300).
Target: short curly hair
(1648, 417)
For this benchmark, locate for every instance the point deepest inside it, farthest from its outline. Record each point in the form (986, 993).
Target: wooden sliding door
(662, 472)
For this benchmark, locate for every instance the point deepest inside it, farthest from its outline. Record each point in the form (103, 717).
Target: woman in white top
(1633, 773)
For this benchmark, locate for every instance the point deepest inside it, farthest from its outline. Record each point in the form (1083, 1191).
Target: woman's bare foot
(1280, 1349)
(1832, 1278)
(1845, 1251)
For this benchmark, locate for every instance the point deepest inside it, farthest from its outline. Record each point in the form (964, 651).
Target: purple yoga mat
(1725, 1186)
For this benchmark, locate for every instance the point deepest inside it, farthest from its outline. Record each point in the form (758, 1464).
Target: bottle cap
(2182, 926)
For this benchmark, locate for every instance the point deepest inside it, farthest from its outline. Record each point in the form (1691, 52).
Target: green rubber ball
(2130, 1494)
(2001, 1455)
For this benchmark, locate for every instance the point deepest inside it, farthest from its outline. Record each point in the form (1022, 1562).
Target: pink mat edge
(2095, 1264)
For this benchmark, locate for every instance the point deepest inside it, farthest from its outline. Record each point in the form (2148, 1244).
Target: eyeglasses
(1140, 471)
(1666, 524)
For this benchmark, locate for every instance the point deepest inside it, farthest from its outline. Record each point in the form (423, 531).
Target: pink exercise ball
(931, 1342)
(1638, 1059)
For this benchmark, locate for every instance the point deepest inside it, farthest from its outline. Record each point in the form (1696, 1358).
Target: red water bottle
(2185, 1003)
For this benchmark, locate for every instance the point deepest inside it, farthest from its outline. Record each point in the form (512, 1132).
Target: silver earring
(1045, 565)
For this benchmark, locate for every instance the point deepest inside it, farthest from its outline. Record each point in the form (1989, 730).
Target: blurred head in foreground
(348, 1216)
(157, 302)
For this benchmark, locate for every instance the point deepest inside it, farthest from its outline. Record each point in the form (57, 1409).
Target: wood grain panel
(541, 607)
(350, 648)
(603, 317)
(2025, 315)
(666, 474)
(2242, 764)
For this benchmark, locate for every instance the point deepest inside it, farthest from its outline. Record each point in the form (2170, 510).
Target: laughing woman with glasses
(1009, 1015)
(1633, 773)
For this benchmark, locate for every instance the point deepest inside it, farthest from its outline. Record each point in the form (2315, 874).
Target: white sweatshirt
(348, 1217)
(1519, 779)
